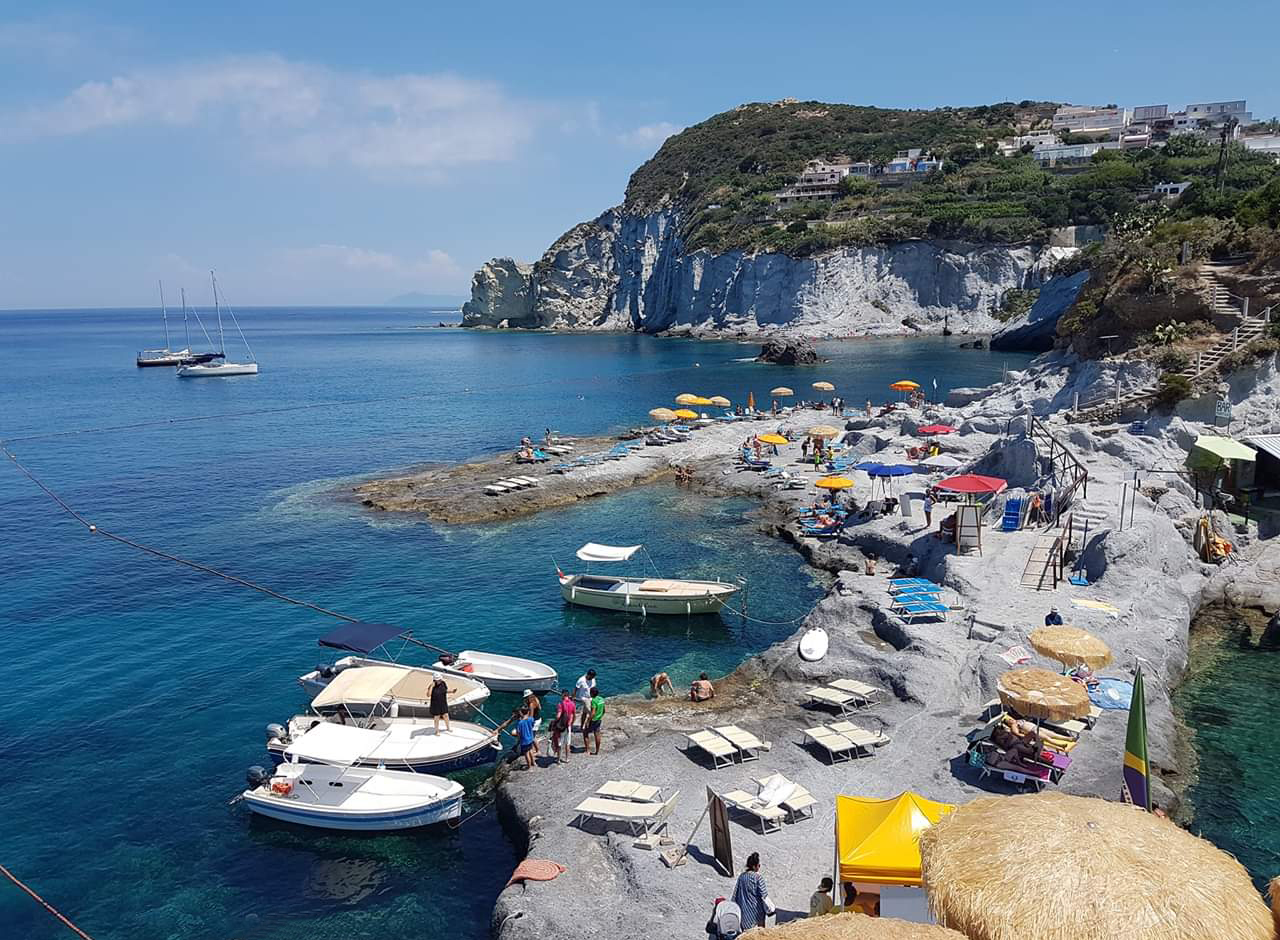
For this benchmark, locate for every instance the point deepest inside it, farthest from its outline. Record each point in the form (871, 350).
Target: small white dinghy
(813, 644)
(642, 596)
(364, 799)
(497, 672)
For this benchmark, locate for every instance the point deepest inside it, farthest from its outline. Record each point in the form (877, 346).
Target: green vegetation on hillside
(723, 172)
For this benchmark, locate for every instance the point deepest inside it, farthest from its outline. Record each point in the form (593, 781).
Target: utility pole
(1228, 127)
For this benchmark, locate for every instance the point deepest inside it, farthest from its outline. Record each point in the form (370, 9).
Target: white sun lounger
(770, 816)
(496, 489)
(836, 698)
(630, 790)
(837, 746)
(859, 735)
(748, 745)
(798, 802)
(714, 746)
(525, 481)
(639, 818)
(868, 693)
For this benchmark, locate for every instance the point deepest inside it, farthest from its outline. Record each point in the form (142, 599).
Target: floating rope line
(45, 904)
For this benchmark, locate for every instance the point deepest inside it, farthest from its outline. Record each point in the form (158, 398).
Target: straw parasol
(834, 483)
(824, 386)
(685, 413)
(772, 439)
(720, 400)
(1057, 866)
(688, 398)
(781, 391)
(823, 430)
(1042, 695)
(1071, 646)
(852, 926)
(662, 414)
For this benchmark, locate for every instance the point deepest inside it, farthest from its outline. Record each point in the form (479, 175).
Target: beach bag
(726, 921)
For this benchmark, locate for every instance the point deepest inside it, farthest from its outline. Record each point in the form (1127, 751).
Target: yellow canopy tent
(878, 841)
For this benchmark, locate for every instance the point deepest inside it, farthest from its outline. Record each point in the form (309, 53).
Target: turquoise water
(137, 690)
(1228, 699)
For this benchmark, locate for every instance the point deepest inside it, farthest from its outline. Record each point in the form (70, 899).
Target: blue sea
(136, 690)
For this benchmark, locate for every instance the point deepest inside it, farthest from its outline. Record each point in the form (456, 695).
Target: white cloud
(433, 270)
(649, 136)
(297, 113)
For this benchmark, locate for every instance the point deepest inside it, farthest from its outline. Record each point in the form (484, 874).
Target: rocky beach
(1145, 583)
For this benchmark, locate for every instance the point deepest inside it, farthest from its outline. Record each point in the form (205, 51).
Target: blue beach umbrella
(869, 466)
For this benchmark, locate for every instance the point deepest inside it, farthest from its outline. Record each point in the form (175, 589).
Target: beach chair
(717, 748)
(867, 694)
(913, 585)
(748, 745)
(900, 582)
(837, 746)
(527, 481)
(900, 602)
(630, 790)
(835, 698)
(496, 489)
(922, 610)
(1012, 519)
(769, 816)
(860, 736)
(798, 802)
(1034, 777)
(639, 818)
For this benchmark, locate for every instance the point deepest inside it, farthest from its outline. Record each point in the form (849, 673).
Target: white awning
(593, 552)
(1267, 443)
(363, 685)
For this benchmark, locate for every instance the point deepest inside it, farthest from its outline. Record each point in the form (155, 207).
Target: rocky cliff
(627, 271)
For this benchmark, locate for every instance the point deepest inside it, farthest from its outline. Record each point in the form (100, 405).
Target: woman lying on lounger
(1015, 742)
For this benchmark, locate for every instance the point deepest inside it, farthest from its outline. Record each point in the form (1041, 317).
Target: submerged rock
(788, 352)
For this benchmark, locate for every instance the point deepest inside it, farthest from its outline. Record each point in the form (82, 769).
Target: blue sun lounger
(922, 610)
(899, 582)
(916, 586)
(927, 596)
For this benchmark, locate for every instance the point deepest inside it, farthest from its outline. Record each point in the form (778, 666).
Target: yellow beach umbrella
(685, 413)
(701, 402)
(834, 483)
(824, 386)
(1059, 866)
(781, 391)
(1042, 695)
(720, 400)
(662, 414)
(688, 398)
(1070, 646)
(823, 430)
(906, 385)
(772, 439)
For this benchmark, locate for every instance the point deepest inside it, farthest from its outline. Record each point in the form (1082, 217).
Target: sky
(326, 153)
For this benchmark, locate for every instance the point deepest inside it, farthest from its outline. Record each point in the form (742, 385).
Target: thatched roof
(1071, 646)
(852, 927)
(1054, 867)
(1039, 693)
(1273, 889)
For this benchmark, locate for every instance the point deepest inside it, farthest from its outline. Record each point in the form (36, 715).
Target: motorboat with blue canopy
(641, 595)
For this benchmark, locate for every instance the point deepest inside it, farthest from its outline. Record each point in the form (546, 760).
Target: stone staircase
(1236, 326)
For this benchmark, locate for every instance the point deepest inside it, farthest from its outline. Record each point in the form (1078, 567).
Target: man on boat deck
(439, 704)
(582, 692)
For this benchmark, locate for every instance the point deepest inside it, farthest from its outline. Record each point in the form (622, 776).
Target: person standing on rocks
(928, 510)
(595, 713)
(562, 727)
(751, 894)
(1053, 618)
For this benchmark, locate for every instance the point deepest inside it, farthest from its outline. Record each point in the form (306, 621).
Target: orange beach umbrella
(772, 439)
(905, 385)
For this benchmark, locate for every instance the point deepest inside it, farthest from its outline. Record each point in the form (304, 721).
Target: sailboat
(210, 369)
(168, 356)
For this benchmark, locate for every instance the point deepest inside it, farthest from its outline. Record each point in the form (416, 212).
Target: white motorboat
(353, 798)
(411, 694)
(391, 689)
(640, 595)
(215, 368)
(500, 673)
(376, 741)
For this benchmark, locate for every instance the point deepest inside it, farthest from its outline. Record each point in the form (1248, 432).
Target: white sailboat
(222, 368)
(172, 357)
(640, 595)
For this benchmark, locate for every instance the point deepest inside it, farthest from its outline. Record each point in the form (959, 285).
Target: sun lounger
(798, 802)
(717, 748)
(639, 818)
(837, 746)
(922, 610)
(769, 816)
(1033, 775)
(836, 698)
(1048, 738)
(630, 790)
(901, 602)
(859, 735)
(748, 745)
(868, 693)
(898, 582)
(910, 585)
(496, 489)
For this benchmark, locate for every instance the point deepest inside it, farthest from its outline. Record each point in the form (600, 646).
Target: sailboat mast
(222, 344)
(186, 329)
(164, 312)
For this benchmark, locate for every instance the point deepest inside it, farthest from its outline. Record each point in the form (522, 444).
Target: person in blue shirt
(524, 737)
(1053, 618)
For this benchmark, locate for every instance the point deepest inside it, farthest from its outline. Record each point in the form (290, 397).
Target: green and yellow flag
(1136, 778)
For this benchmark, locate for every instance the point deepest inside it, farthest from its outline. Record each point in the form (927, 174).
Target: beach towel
(1096, 605)
(536, 869)
(1112, 693)
(1016, 655)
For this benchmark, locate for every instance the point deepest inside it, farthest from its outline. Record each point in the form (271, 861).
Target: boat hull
(279, 810)
(476, 756)
(355, 799)
(625, 595)
(217, 369)
(180, 358)
(375, 750)
(501, 673)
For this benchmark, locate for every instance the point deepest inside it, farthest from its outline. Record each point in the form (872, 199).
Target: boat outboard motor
(277, 732)
(256, 776)
(326, 670)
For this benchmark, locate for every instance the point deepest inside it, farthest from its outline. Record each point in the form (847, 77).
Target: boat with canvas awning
(639, 595)
(361, 799)
(411, 694)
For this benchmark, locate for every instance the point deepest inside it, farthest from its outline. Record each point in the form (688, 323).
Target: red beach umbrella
(935, 429)
(972, 484)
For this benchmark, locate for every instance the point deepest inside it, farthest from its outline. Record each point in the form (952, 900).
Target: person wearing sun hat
(1053, 618)
(439, 703)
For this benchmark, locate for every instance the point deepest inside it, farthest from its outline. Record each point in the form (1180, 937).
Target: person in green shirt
(593, 723)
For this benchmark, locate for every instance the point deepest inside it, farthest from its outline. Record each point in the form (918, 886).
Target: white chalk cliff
(629, 272)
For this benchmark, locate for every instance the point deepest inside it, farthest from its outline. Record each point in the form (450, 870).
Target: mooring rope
(45, 904)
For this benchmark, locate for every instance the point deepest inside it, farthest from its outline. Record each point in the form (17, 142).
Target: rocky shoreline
(937, 676)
